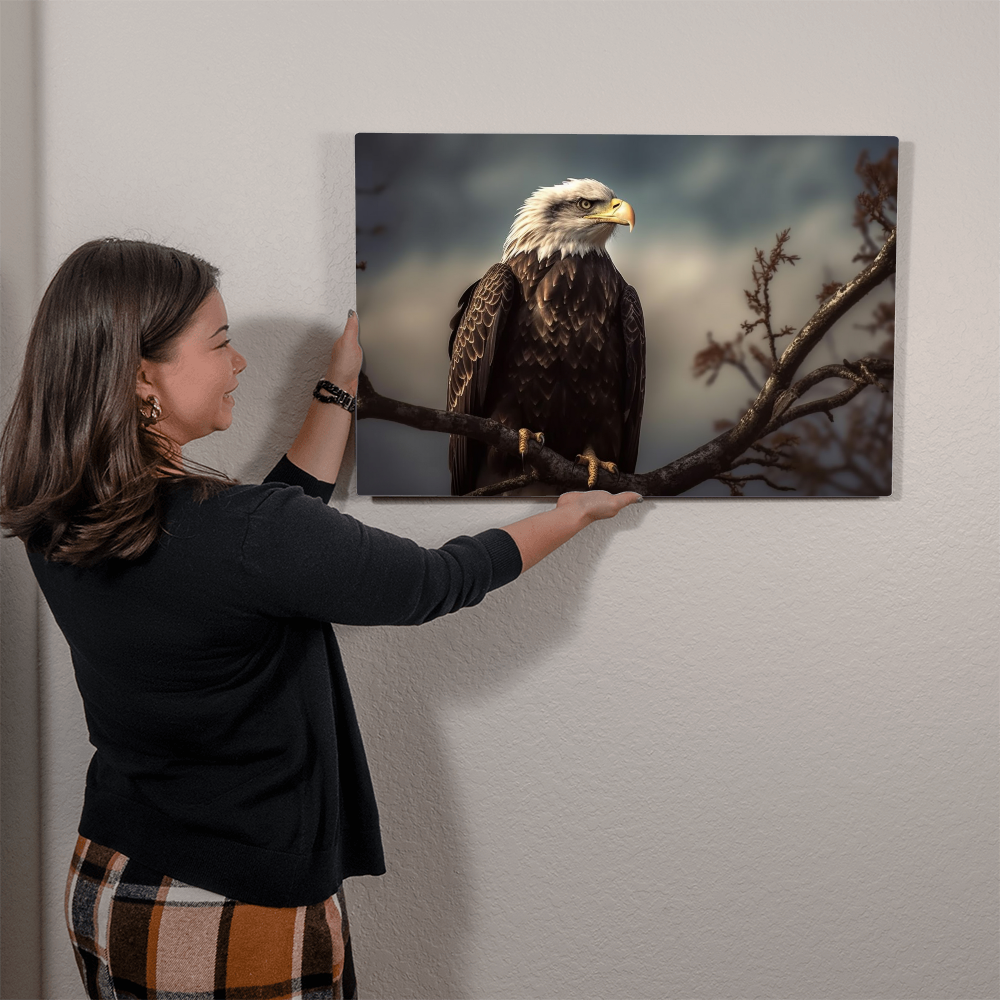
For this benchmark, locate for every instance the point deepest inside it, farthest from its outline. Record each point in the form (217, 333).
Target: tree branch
(736, 483)
(711, 359)
(497, 489)
(759, 300)
(548, 466)
(865, 371)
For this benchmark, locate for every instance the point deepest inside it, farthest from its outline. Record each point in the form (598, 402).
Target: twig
(863, 373)
(736, 483)
(776, 463)
(712, 358)
(759, 300)
(495, 489)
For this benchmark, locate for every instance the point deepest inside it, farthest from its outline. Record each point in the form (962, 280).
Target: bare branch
(710, 360)
(863, 443)
(707, 461)
(549, 466)
(876, 203)
(762, 460)
(495, 489)
(829, 288)
(736, 483)
(759, 300)
(816, 406)
(834, 307)
(866, 371)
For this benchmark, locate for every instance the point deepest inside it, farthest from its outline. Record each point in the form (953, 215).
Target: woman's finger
(618, 501)
(352, 328)
(345, 353)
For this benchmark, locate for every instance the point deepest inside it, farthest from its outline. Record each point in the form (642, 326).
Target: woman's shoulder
(234, 501)
(237, 497)
(225, 518)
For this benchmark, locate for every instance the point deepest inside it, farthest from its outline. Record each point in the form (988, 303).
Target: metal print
(676, 315)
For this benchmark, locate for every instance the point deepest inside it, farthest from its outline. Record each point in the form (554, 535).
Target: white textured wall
(714, 749)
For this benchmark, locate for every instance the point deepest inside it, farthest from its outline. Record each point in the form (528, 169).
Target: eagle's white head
(575, 217)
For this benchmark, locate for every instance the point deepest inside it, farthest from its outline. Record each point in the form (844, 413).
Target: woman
(228, 796)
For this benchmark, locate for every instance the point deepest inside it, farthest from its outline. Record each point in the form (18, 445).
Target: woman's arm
(319, 446)
(303, 559)
(540, 534)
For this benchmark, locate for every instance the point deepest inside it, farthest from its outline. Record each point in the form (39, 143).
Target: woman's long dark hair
(82, 473)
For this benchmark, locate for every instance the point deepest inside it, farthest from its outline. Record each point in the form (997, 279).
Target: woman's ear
(143, 386)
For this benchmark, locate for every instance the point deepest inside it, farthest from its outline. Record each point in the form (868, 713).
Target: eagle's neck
(545, 248)
(532, 230)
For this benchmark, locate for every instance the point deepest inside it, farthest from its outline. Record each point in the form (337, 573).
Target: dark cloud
(440, 192)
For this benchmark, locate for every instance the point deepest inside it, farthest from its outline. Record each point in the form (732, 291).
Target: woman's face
(194, 387)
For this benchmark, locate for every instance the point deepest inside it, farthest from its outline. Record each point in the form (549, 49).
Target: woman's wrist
(342, 381)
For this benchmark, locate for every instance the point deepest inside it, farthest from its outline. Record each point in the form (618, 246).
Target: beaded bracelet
(337, 395)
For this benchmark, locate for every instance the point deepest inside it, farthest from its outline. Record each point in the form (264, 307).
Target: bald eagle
(551, 342)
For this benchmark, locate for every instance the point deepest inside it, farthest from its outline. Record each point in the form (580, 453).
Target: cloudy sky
(433, 212)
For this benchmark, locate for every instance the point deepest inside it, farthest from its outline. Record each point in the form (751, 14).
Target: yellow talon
(593, 463)
(522, 439)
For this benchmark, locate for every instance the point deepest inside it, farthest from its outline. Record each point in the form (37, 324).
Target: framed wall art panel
(681, 315)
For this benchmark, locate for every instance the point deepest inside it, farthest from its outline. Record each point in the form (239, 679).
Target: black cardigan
(228, 753)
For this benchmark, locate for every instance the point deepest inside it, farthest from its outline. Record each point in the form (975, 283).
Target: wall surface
(711, 749)
(20, 759)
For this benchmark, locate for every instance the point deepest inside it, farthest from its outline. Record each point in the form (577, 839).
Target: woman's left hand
(346, 356)
(319, 446)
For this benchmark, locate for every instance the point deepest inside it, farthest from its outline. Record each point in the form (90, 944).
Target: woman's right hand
(596, 505)
(540, 534)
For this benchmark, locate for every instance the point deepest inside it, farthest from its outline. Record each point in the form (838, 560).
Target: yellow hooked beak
(616, 211)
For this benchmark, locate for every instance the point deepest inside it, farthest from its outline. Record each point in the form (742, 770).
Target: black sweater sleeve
(291, 475)
(306, 560)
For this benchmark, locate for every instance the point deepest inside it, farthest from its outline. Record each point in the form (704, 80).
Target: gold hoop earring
(154, 413)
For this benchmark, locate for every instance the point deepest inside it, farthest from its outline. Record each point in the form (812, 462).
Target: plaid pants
(137, 933)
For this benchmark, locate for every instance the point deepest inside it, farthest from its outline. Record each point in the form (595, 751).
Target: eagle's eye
(585, 204)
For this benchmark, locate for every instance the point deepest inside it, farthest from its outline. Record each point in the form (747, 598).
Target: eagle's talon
(593, 463)
(523, 435)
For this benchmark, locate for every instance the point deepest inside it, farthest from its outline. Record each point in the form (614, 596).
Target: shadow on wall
(417, 929)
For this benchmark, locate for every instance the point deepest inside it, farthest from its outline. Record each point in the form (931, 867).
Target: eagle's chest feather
(567, 315)
(562, 352)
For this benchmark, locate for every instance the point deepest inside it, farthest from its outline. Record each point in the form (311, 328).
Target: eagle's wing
(475, 328)
(634, 332)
